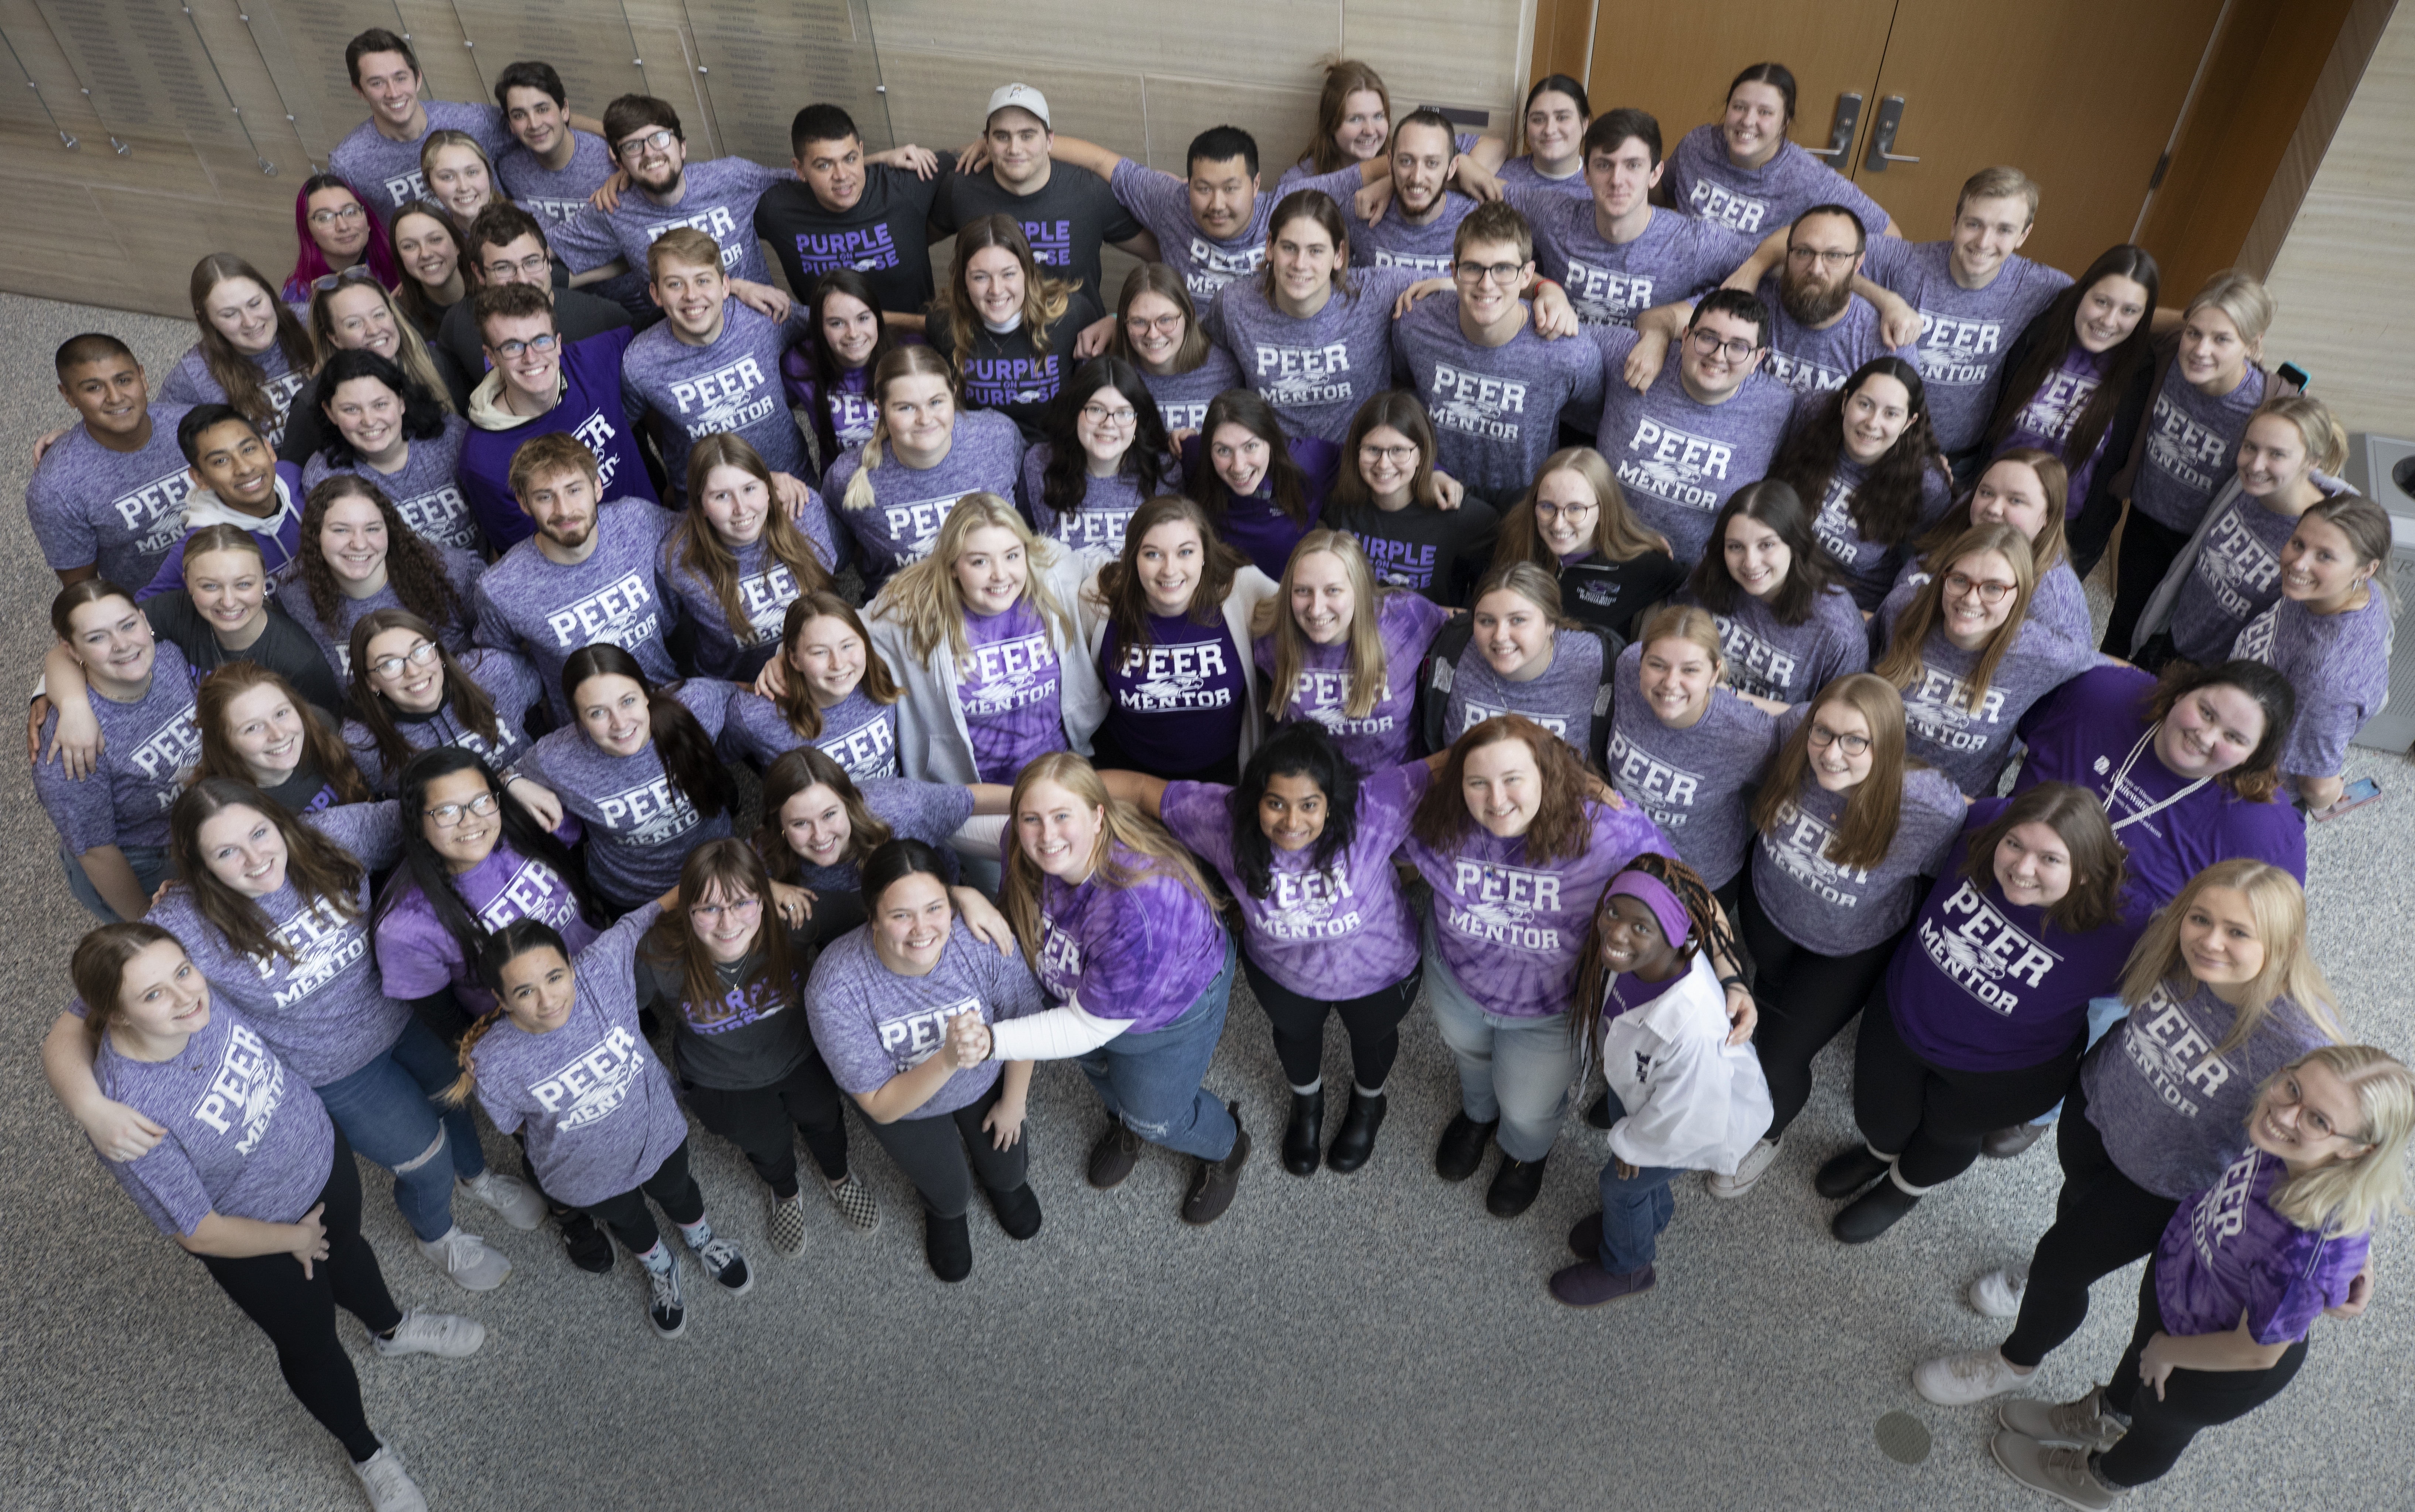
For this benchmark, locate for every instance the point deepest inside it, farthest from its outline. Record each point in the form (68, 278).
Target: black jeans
(1373, 1023)
(670, 1186)
(1108, 754)
(2086, 534)
(1806, 999)
(2103, 1221)
(1931, 1117)
(2148, 551)
(298, 1313)
(944, 1153)
(2193, 1401)
(756, 1120)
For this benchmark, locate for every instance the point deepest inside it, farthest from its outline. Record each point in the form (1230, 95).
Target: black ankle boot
(1356, 1139)
(1303, 1138)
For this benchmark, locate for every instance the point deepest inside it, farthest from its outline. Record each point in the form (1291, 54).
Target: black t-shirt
(460, 352)
(1438, 552)
(1597, 591)
(1065, 219)
(756, 1040)
(885, 236)
(1004, 373)
(284, 648)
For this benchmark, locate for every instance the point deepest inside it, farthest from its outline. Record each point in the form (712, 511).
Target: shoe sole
(672, 1332)
(2001, 1463)
(1587, 1306)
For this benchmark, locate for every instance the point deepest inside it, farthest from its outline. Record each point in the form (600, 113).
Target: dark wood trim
(2325, 107)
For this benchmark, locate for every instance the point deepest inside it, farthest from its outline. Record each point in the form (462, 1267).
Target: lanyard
(2136, 751)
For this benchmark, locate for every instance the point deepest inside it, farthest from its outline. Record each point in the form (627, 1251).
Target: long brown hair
(1617, 535)
(1343, 77)
(232, 370)
(1157, 279)
(1045, 298)
(2290, 972)
(698, 550)
(1402, 411)
(1902, 662)
(1317, 206)
(462, 693)
(1866, 827)
(2097, 859)
(1563, 827)
(2060, 323)
(1363, 649)
(98, 970)
(797, 771)
(321, 747)
(1886, 507)
(1702, 910)
(2258, 777)
(323, 873)
(1286, 481)
(796, 700)
(1124, 828)
(2054, 486)
(1121, 592)
(690, 764)
(730, 867)
(414, 568)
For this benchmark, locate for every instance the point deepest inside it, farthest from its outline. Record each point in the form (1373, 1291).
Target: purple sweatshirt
(2339, 664)
(908, 505)
(1142, 953)
(423, 489)
(640, 828)
(1160, 202)
(1097, 525)
(852, 413)
(1393, 242)
(1676, 458)
(190, 383)
(590, 408)
(716, 197)
(2226, 1253)
(856, 733)
(1407, 622)
(2192, 441)
(506, 678)
(118, 512)
(1757, 201)
(1965, 334)
(766, 587)
(148, 749)
(1812, 362)
(1331, 934)
(462, 571)
(418, 958)
(1520, 173)
(556, 196)
(928, 812)
(1790, 663)
(1676, 256)
(1182, 397)
(2046, 418)
(872, 1025)
(1693, 782)
(528, 601)
(1179, 703)
(1011, 689)
(1255, 526)
(2235, 578)
(1318, 370)
(1495, 410)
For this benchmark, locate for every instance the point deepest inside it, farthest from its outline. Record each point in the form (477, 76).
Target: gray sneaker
(387, 1485)
(2085, 1424)
(431, 1332)
(2061, 1474)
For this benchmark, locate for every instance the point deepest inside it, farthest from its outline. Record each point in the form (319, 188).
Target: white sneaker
(387, 1485)
(521, 1207)
(466, 1258)
(1960, 1380)
(1748, 1172)
(432, 1333)
(1998, 1293)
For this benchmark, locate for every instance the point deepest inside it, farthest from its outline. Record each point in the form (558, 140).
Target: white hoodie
(1693, 1102)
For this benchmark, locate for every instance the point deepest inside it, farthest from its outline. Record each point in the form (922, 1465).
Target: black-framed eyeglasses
(1497, 272)
(1823, 737)
(658, 140)
(540, 344)
(1709, 343)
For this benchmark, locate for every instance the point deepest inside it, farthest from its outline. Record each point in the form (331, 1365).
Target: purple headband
(1675, 923)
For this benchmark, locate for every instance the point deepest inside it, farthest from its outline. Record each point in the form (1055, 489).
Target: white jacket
(933, 744)
(1693, 1102)
(1251, 588)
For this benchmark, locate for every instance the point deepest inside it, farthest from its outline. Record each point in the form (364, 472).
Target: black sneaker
(1461, 1150)
(588, 1248)
(726, 1266)
(1514, 1187)
(666, 1308)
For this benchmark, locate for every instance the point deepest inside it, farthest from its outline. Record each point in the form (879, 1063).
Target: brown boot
(1212, 1187)
(1114, 1156)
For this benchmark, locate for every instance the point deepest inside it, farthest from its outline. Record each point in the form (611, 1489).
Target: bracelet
(1734, 981)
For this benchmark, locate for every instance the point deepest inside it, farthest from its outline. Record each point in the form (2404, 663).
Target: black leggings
(942, 1153)
(2193, 1401)
(2086, 534)
(1931, 1117)
(670, 1186)
(1373, 1023)
(1805, 999)
(2103, 1221)
(1108, 754)
(2148, 552)
(298, 1313)
(756, 1120)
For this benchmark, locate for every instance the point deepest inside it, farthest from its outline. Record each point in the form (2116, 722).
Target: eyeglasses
(1397, 456)
(658, 140)
(1823, 737)
(391, 667)
(1162, 324)
(335, 213)
(357, 273)
(1990, 590)
(1814, 255)
(713, 913)
(1099, 414)
(1497, 272)
(448, 814)
(1547, 510)
(533, 266)
(1735, 349)
(508, 350)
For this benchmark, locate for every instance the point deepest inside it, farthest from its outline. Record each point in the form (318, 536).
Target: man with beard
(588, 574)
(1820, 330)
(1416, 228)
(717, 197)
(542, 384)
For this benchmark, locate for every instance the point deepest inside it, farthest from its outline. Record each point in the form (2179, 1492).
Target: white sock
(658, 1259)
(1310, 1090)
(1368, 1093)
(697, 1233)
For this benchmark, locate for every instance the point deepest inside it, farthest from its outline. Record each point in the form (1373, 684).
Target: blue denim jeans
(1634, 1210)
(1516, 1070)
(389, 1111)
(152, 866)
(1151, 1081)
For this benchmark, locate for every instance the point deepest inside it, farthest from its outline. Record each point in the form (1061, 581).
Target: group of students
(1359, 607)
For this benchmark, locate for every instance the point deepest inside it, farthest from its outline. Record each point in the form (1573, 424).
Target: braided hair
(1702, 911)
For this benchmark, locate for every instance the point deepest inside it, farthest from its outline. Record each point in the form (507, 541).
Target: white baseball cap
(1023, 98)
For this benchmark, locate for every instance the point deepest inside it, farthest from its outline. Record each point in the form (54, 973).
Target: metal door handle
(1883, 136)
(1840, 130)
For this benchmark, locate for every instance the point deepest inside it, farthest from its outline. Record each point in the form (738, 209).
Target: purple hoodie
(590, 409)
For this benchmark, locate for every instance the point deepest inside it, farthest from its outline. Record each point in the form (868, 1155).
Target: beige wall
(200, 100)
(2345, 276)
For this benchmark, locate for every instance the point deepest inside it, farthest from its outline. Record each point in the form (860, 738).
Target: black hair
(1809, 573)
(893, 861)
(507, 945)
(202, 417)
(1066, 479)
(93, 346)
(636, 113)
(1426, 116)
(1295, 749)
(820, 123)
(530, 75)
(687, 752)
(1743, 304)
(1776, 76)
(1622, 124)
(1885, 509)
(1219, 143)
(376, 39)
(1702, 912)
(1559, 83)
(828, 375)
(423, 415)
(1861, 232)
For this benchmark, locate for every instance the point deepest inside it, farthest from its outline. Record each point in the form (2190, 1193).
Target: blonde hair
(1687, 622)
(1368, 676)
(2290, 973)
(1122, 826)
(409, 348)
(2348, 1196)
(924, 599)
(1901, 664)
(2243, 297)
(902, 362)
(1999, 183)
(2326, 439)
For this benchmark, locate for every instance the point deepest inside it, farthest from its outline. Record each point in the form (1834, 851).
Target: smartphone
(2355, 795)
(2295, 374)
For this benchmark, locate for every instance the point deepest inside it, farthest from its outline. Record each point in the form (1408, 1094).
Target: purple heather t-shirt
(902, 523)
(1520, 173)
(1255, 526)
(245, 1139)
(872, 1025)
(148, 747)
(1690, 782)
(856, 733)
(2172, 1111)
(190, 383)
(1508, 929)
(2192, 441)
(2226, 1253)
(462, 569)
(1676, 256)
(1678, 459)
(716, 197)
(1315, 372)
(640, 828)
(386, 172)
(852, 413)
(327, 1012)
(118, 512)
(731, 387)
(928, 812)
(1329, 934)
(1098, 525)
(424, 489)
(1757, 201)
(528, 600)
(2084, 731)
(1939, 726)
(1812, 362)
(2046, 420)
(1393, 242)
(591, 410)
(1407, 622)
(1870, 569)
(1985, 984)
(1176, 704)
(599, 1109)
(1342, 182)
(1789, 663)
(419, 959)
(506, 678)
(1565, 699)
(1011, 689)
(2340, 665)
(1160, 202)
(1837, 911)
(1495, 410)
(556, 196)
(1183, 399)
(1142, 953)
(1964, 333)
(2236, 576)
(766, 587)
